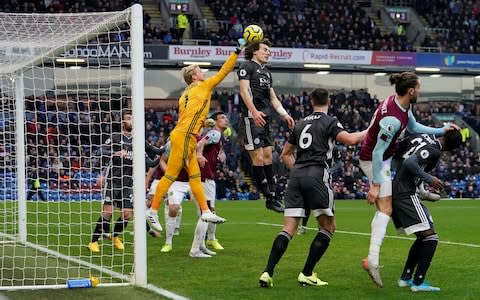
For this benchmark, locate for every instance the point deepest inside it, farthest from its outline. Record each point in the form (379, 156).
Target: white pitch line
(163, 292)
(389, 236)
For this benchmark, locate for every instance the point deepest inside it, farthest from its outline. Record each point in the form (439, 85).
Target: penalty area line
(387, 236)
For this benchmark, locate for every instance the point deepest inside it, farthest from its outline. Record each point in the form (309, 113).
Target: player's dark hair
(319, 97)
(403, 81)
(250, 49)
(216, 114)
(452, 140)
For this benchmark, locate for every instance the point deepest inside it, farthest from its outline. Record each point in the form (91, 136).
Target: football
(253, 33)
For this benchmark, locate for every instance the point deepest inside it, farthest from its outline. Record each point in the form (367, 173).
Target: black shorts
(309, 187)
(255, 137)
(410, 215)
(118, 195)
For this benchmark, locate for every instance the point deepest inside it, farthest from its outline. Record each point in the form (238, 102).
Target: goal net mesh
(71, 74)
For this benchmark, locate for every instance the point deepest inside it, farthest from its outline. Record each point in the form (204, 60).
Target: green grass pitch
(247, 237)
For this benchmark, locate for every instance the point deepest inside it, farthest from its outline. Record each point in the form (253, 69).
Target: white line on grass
(389, 236)
(151, 287)
(165, 293)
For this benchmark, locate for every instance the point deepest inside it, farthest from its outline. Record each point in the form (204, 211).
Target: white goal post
(57, 109)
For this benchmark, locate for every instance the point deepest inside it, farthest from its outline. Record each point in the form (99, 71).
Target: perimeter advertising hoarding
(386, 58)
(279, 55)
(115, 51)
(448, 60)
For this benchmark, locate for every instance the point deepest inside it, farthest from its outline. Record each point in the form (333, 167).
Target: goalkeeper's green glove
(241, 43)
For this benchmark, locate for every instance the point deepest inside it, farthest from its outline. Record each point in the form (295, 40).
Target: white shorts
(177, 192)
(386, 186)
(153, 187)
(209, 188)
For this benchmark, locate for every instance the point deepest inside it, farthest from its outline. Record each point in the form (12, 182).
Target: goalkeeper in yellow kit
(194, 105)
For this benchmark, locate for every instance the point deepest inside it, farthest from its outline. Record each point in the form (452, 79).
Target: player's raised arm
(227, 67)
(415, 127)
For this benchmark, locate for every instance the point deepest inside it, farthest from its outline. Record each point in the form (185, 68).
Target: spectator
(35, 186)
(182, 25)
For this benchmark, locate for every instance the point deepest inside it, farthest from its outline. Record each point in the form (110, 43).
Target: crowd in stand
(455, 23)
(151, 32)
(460, 170)
(63, 143)
(342, 24)
(305, 24)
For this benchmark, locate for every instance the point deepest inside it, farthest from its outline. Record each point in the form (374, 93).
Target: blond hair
(187, 73)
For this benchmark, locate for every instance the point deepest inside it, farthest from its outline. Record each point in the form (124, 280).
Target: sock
(412, 260)
(379, 228)
(268, 169)
(106, 224)
(162, 188)
(318, 247)
(199, 237)
(170, 228)
(178, 220)
(261, 181)
(212, 227)
(307, 215)
(427, 250)
(165, 211)
(147, 226)
(279, 246)
(198, 193)
(120, 225)
(103, 225)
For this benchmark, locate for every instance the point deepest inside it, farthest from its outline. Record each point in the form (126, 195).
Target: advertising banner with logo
(280, 55)
(442, 60)
(116, 51)
(341, 57)
(394, 58)
(329, 56)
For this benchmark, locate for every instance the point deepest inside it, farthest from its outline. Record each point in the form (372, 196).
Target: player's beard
(413, 99)
(127, 127)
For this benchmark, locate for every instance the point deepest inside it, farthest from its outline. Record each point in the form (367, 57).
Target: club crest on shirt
(424, 154)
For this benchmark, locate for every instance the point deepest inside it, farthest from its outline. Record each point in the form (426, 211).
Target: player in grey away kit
(421, 154)
(258, 102)
(119, 185)
(309, 186)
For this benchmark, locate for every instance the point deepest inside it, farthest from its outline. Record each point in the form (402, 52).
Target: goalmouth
(57, 109)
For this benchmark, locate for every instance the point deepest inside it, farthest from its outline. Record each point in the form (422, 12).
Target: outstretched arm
(415, 127)
(351, 138)
(223, 72)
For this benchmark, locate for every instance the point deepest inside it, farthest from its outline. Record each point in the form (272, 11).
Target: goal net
(64, 81)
